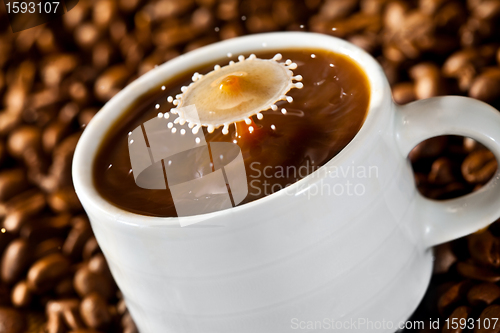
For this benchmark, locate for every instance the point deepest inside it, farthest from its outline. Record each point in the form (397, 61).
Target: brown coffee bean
(57, 306)
(15, 260)
(72, 318)
(442, 172)
(75, 16)
(91, 248)
(471, 271)
(261, 23)
(12, 182)
(103, 12)
(367, 42)
(444, 258)
(41, 229)
(77, 237)
(87, 35)
(65, 288)
(86, 282)
(99, 265)
(484, 248)
(21, 295)
(227, 10)
(128, 324)
(428, 81)
(404, 92)
(173, 36)
(487, 10)
(56, 67)
(453, 295)
(21, 208)
(64, 200)
(429, 148)
(55, 323)
(47, 272)
(483, 294)
(11, 321)
(53, 134)
(460, 313)
(486, 87)
(49, 246)
(479, 166)
(59, 174)
(94, 311)
(86, 116)
(8, 121)
(394, 14)
(22, 139)
(231, 30)
(110, 82)
(202, 19)
(491, 315)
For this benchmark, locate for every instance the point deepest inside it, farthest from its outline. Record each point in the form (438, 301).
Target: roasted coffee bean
(53, 134)
(11, 321)
(44, 228)
(128, 324)
(452, 296)
(56, 67)
(429, 148)
(72, 318)
(64, 200)
(49, 246)
(21, 295)
(485, 293)
(110, 82)
(23, 139)
(77, 237)
(231, 30)
(94, 311)
(8, 121)
(86, 282)
(471, 271)
(487, 10)
(87, 35)
(486, 87)
(91, 248)
(444, 258)
(428, 81)
(460, 313)
(15, 260)
(47, 272)
(65, 288)
(484, 248)
(12, 182)
(442, 172)
(367, 42)
(86, 116)
(491, 315)
(21, 208)
(55, 323)
(479, 166)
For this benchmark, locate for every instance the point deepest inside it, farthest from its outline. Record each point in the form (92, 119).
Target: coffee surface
(323, 118)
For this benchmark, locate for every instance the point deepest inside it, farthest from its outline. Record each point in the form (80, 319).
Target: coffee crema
(278, 149)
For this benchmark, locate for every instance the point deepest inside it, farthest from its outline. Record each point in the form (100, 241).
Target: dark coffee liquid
(323, 118)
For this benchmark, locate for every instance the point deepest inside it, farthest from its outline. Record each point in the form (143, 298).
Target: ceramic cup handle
(450, 219)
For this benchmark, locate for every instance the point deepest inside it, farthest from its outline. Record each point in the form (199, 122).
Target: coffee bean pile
(55, 77)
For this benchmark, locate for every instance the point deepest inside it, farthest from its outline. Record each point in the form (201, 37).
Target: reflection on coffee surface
(278, 146)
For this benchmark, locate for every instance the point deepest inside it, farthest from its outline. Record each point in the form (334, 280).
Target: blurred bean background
(56, 76)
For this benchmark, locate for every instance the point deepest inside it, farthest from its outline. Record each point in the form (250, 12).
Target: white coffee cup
(302, 255)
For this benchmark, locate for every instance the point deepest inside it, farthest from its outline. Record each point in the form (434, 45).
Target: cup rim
(89, 143)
